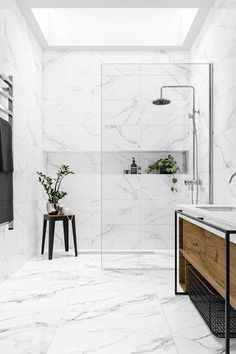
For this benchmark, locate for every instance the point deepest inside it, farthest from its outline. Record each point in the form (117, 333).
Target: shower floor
(70, 306)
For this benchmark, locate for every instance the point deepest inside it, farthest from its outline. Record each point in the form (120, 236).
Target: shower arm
(182, 86)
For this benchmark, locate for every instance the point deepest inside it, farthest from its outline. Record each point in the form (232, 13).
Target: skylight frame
(146, 42)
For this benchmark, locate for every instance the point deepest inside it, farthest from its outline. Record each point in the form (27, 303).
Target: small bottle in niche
(134, 167)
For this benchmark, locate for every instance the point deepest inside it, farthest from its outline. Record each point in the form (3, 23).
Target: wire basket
(209, 303)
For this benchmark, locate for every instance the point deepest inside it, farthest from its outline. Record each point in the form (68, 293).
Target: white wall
(137, 211)
(216, 43)
(21, 57)
(72, 103)
(72, 135)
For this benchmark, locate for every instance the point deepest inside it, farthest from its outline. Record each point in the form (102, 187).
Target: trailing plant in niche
(167, 165)
(52, 185)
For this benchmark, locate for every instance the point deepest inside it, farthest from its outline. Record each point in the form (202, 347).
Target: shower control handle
(192, 182)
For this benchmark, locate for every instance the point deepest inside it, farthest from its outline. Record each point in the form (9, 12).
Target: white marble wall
(72, 132)
(199, 77)
(21, 57)
(137, 211)
(216, 43)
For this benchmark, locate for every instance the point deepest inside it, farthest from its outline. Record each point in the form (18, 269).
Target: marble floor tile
(164, 283)
(162, 259)
(40, 285)
(192, 335)
(27, 333)
(187, 327)
(114, 334)
(120, 313)
(71, 306)
(121, 261)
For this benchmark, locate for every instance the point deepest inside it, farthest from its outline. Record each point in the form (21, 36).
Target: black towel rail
(7, 93)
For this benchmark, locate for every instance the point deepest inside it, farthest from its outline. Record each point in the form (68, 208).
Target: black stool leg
(74, 235)
(51, 237)
(66, 234)
(44, 235)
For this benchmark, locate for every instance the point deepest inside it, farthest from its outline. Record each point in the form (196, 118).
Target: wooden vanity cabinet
(206, 252)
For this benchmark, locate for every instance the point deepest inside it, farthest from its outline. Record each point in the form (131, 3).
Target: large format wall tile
(120, 87)
(121, 112)
(121, 187)
(120, 137)
(77, 126)
(121, 237)
(214, 44)
(156, 187)
(151, 86)
(157, 237)
(73, 87)
(72, 137)
(158, 211)
(165, 137)
(76, 112)
(126, 212)
(21, 57)
(174, 113)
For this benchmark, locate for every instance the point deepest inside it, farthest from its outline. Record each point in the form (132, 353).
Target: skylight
(115, 26)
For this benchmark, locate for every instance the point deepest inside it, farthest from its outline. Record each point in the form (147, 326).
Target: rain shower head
(161, 101)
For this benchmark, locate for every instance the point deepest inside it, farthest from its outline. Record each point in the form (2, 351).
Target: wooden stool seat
(52, 219)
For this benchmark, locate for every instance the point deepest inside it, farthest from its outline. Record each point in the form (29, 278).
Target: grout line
(162, 310)
(63, 312)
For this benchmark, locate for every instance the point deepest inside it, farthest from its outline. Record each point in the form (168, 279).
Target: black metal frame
(227, 234)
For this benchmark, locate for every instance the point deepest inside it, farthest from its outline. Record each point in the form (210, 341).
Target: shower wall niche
(137, 210)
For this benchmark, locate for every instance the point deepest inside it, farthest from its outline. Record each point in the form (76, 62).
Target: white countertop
(224, 219)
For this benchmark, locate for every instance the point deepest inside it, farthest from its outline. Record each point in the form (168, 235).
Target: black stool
(52, 219)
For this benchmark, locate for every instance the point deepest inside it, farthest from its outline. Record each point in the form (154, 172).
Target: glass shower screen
(137, 209)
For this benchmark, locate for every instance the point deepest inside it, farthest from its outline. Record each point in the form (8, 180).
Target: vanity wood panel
(215, 262)
(206, 252)
(195, 242)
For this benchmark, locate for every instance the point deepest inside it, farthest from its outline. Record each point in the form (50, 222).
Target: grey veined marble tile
(121, 311)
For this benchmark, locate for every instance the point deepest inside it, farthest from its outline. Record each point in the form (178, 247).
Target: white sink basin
(218, 208)
(222, 215)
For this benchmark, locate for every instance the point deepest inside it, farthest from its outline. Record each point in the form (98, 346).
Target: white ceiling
(131, 23)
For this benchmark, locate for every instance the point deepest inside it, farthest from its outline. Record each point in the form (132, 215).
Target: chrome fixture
(232, 177)
(195, 181)
(191, 182)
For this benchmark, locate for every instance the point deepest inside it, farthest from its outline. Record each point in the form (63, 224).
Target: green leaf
(52, 185)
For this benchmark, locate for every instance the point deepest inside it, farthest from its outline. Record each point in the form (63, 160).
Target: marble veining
(214, 44)
(21, 57)
(85, 113)
(71, 306)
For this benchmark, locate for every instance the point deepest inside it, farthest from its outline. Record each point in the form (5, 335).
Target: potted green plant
(52, 188)
(167, 165)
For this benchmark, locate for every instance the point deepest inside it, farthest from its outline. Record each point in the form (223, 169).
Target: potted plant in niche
(52, 188)
(167, 165)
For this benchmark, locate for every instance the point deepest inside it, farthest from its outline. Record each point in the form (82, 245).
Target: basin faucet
(232, 177)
